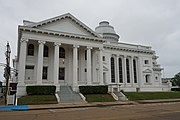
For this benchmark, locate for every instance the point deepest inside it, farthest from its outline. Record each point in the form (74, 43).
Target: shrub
(102, 89)
(175, 89)
(40, 90)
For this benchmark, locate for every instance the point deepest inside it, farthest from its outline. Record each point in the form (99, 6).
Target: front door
(62, 75)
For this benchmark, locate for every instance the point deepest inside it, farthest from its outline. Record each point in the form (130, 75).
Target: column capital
(57, 44)
(75, 46)
(41, 42)
(101, 49)
(24, 40)
(89, 47)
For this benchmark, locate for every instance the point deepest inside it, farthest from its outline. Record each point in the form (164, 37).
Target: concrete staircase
(120, 96)
(66, 94)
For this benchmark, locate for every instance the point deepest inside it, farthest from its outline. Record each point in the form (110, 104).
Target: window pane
(45, 73)
(31, 49)
(127, 70)
(61, 73)
(61, 52)
(135, 71)
(46, 51)
(120, 71)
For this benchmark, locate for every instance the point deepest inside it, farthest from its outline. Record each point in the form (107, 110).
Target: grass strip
(99, 97)
(152, 95)
(37, 99)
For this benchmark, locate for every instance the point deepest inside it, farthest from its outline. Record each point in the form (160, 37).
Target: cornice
(128, 49)
(60, 34)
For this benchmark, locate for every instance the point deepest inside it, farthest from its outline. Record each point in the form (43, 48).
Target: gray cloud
(148, 22)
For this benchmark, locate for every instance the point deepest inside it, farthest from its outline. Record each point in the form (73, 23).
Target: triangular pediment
(105, 68)
(65, 23)
(147, 71)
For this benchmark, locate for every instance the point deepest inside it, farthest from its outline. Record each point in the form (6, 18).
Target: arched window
(112, 70)
(135, 71)
(46, 51)
(31, 49)
(127, 70)
(61, 52)
(120, 71)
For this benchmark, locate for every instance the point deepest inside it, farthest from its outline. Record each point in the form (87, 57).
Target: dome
(107, 31)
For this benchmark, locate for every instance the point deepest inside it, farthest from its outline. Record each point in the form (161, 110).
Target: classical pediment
(147, 71)
(65, 23)
(105, 68)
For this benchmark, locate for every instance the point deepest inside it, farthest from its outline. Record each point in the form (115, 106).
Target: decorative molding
(75, 46)
(129, 49)
(59, 34)
(41, 42)
(57, 44)
(24, 40)
(88, 47)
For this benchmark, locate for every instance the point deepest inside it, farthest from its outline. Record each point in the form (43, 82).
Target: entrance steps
(120, 96)
(66, 94)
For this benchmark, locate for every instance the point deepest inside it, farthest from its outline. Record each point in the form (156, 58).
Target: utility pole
(7, 70)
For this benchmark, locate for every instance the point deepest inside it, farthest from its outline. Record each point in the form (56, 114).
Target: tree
(176, 80)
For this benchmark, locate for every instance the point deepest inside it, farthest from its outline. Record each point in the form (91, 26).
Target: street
(160, 111)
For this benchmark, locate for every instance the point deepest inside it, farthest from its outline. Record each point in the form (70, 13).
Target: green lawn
(152, 95)
(37, 99)
(99, 97)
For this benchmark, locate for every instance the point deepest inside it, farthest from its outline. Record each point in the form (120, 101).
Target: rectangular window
(146, 62)
(127, 70)
(135, 71)
(104, 59)
(29, 67)
(85, 56)
(61, 73)
(45, 73)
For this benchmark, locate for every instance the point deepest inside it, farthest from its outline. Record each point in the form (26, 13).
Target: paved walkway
(93, 104)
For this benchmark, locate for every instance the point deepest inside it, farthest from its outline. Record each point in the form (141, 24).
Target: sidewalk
(83, 105)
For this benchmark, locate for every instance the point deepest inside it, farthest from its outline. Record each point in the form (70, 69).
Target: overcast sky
(154, 23)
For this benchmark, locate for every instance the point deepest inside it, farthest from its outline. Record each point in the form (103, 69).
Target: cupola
(107, 31)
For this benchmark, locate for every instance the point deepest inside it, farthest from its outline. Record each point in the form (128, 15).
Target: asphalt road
(161, 111)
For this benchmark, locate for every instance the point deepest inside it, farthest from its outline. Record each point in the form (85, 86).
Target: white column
(40, 62)
(139, 78)
(89, 65)
(124, 71)
(131, 71)
(101, 66)
(75, 66)
(22, 61)
(117, 69)
(56, 63)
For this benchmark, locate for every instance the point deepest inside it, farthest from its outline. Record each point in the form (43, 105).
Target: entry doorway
(62, 74)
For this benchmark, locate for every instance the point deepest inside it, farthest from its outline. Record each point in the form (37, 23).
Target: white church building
(63, 51)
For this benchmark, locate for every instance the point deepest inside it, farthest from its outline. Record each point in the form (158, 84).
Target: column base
(75, 88)
(21, 90)
(57, 88)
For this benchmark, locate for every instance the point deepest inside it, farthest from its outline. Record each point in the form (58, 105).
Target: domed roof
(104, 27)
(107, 31)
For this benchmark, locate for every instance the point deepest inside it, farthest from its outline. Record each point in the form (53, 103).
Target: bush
(40, 90)
(102, 89)
(175, 89)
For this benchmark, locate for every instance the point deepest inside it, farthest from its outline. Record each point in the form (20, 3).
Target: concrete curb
(83, 105)
(157, 101)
